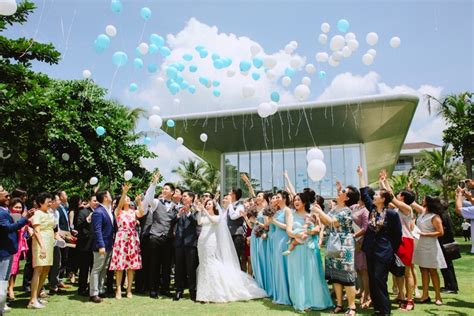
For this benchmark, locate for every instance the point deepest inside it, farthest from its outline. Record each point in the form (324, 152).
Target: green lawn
(71, 304)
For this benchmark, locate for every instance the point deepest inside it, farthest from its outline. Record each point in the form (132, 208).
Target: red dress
(126, 251)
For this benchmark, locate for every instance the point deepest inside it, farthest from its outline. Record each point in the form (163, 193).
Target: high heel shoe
(425, 301)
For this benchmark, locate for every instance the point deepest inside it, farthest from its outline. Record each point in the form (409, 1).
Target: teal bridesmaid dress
(258, 258)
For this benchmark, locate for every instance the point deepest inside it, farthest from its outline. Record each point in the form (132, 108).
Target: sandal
(337, 309)
(438, 302)
(350, 312)
(410, 305)
(425, 301)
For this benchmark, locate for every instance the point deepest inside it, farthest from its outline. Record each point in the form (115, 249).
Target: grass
(72, 304)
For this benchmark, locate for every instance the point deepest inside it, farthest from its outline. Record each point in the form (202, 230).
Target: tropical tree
(198, 176)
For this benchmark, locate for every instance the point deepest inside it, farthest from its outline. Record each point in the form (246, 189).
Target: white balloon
(127, 175)
(314, 154)
(332, 62)
(93, 181)
(86, 73)
(367, 59)
(310, 68)
(230, 73)
(325, 27)
(143, 48)
(255, 49)
(176, 101)
(372, 52)
(346, 51)
(65, 156)
(155, 121)
(160, 80)
(180, 140)
(155, 110)
(286, 81)
(248, 91)
(110, 30)
(269, 62)
(294, 44)
(264, 109)
(349, 36)
(271, 74)
(322, 57)
(295, 62)
(302, 92)
(353, 44)
(316, 170)
(337, 56)
(372, 38)
(203, 137)
(395, 41)
(306, 81)
(289, 49)
(274, 107)
(7, 7)
(323, 39)
(337, 42)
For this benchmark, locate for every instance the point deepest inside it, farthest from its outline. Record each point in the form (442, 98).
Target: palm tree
(198, 176)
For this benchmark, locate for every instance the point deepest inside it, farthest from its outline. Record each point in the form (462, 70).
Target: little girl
(311, 221)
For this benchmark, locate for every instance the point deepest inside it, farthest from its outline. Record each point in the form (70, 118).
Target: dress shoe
(95, 299)
(178, 296)
(153, 294)
(166, 293)
(448, 291)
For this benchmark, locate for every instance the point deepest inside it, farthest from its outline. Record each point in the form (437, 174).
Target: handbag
(397, 267)
(334, 246)
(452, 251)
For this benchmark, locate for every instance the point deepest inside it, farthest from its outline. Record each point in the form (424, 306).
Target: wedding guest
(466, 230)
(235, 221)
(449, 274)
(465, 206)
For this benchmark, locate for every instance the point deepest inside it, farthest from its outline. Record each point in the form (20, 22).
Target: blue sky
(436, 52)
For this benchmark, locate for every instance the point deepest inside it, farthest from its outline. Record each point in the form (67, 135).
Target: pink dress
(126, 250)
(22, 249)
(360, 216)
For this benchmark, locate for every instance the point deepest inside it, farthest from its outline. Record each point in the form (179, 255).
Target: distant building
(410, 154)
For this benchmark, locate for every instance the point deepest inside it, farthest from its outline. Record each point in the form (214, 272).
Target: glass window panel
(266, 170)
(338, 172)
(255, 170)
(244, 167)
(231, 172)
(327, 184)
(289, 160)
(277, 167)
(301, 174)
(351, 161)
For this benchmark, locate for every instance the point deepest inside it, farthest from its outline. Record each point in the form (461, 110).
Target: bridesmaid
(308, 289)
(273, 204)
(279, 243)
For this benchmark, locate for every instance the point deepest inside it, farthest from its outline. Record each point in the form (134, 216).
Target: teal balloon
(145, 13)
(322, 74)
(257, 62)
(153, 49)
(180, 67)
(218, 64)
(216, 83)
(275, 96)
(244, 65)
(199, 48)
(102, 41)
(215, 56)
(174, 88)
(184, 85)
(157, 40)
(138, 63)
(100, 131)
(171, 72)
(152, 68)
(119, 59)
(227, 61)
(216, 93)
(203, 53)
(116, 6)
(255, 76)
(188, 57)
(165, 51)
(170, 123)
(193, 68)
(290, 72)
(169, 82)
(343, 25)
(204, 81)
(147, 140)
(137, 51)
(133, 87)
(192, 89)
(179, 79)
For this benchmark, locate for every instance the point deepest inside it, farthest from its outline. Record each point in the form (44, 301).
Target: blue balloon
(215, 56)
(137, 51)
(193, 68)
(257, 62)
(165, 51)
(343, 25)
(216, 83)
(174, 88)
(255, 76)
(203, 53)
(192, 89)
(275, 96)
(169, 82)
(171, 72)
(103, 41)
(100, 131)
(138, 63)
(184, 85)
(322, 74)
(133, 87)
(157, 40)
(290, 72)
(218, 64)
(170, 123)
(245, 65)
(199, 48)
(204, 81)
(147, 140)
(227, 61)
(145, 13)
(153, 49)
(152, 68)
(180, 67)
(119, 59)
(216, 93)
(188, 57)
(116, 6)
(179, 79)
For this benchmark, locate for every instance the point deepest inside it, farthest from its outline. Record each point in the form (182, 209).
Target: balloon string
(107, 160)
(143, 31)
(309, 127)
(113, 80)
(69, 33)
(36, 31)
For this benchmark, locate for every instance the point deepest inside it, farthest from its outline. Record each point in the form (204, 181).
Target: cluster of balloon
(266, 109)
(316, 166)
(8, 7)
(155, 121)
(128, 175)
(100, 131)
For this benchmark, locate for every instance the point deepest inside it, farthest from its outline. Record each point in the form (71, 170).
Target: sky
(435, 56)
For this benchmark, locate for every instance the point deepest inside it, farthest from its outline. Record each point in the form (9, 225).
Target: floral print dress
(126, 251)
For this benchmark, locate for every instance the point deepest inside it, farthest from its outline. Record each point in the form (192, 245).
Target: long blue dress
(308, 288)
(259, 260)
(279, 239)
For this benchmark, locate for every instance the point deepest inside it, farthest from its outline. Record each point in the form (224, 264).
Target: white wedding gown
(219, 277)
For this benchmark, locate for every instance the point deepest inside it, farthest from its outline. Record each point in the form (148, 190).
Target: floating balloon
(314, 154)
(8, 7)
(367, 59)
(171, 72)
(322, 74)
(372, 52)
(295, 62)
(257, 62)
(264, 109)
(310, 68)
(193, 68)
(165, 51)
(157, 40)
(316, 170)
(101, 43)
(203, 137)
(119, 59)
(170, 123)
(337, 56)
(116, 6)
(395, 41)
(218, 63)
(127, 175)
(255, 49)
(65, 156)
(227, 61)
(133, 87)
(93, 181)
(204, 81)
(192, 89)
(286, 81)
(145, 13)
(306, 81)
(322, 57)
(290, 72)
(188, 57)
(180, 140)
(152, 68)
(323, 39)
(274, 107)
(216, 93)
(86, 73)
(174, 88)
(325, 27)
(216, 83)
(203, 53)
(294, 44)
(147, 140)
(244, 66)
(337, 42)
(153, 49)
(143, 48)
(275, 96)
(248, 91)
(353, 44)
(269, 62)
(100, 131)
(255, 76)
(138, 63)
(332, 62)
(215, 56)
(155, 110)
(349, 36)
(302, 92)
(110, 30)
(372, 38)
(155, 121)
(343, 25)
(346, 51)
(289, 49)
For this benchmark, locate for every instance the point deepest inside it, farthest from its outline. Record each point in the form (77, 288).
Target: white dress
(428, 253)
(219, 278)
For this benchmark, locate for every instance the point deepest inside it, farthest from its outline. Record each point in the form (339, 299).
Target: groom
(187, 233)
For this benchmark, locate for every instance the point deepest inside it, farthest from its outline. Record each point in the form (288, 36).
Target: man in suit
(164, 216)
(102, 243)
(8, 242)
(235, 221)
(186, 256)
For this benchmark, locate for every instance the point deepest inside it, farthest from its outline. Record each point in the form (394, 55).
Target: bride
(219, 278)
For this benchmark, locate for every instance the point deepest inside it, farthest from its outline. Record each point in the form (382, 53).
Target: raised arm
(289, 185)
(248, 184)
(360, 173)
(119, 207)
(417, 207)
(149, 199)
(324, 218)
(140, 212)
(402, 206)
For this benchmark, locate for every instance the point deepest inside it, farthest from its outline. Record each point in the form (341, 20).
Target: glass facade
(265, 168)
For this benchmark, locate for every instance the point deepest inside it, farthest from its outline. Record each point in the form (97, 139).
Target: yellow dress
(46, 224)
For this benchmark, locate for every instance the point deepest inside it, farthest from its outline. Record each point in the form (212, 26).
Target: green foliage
(198, 176)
